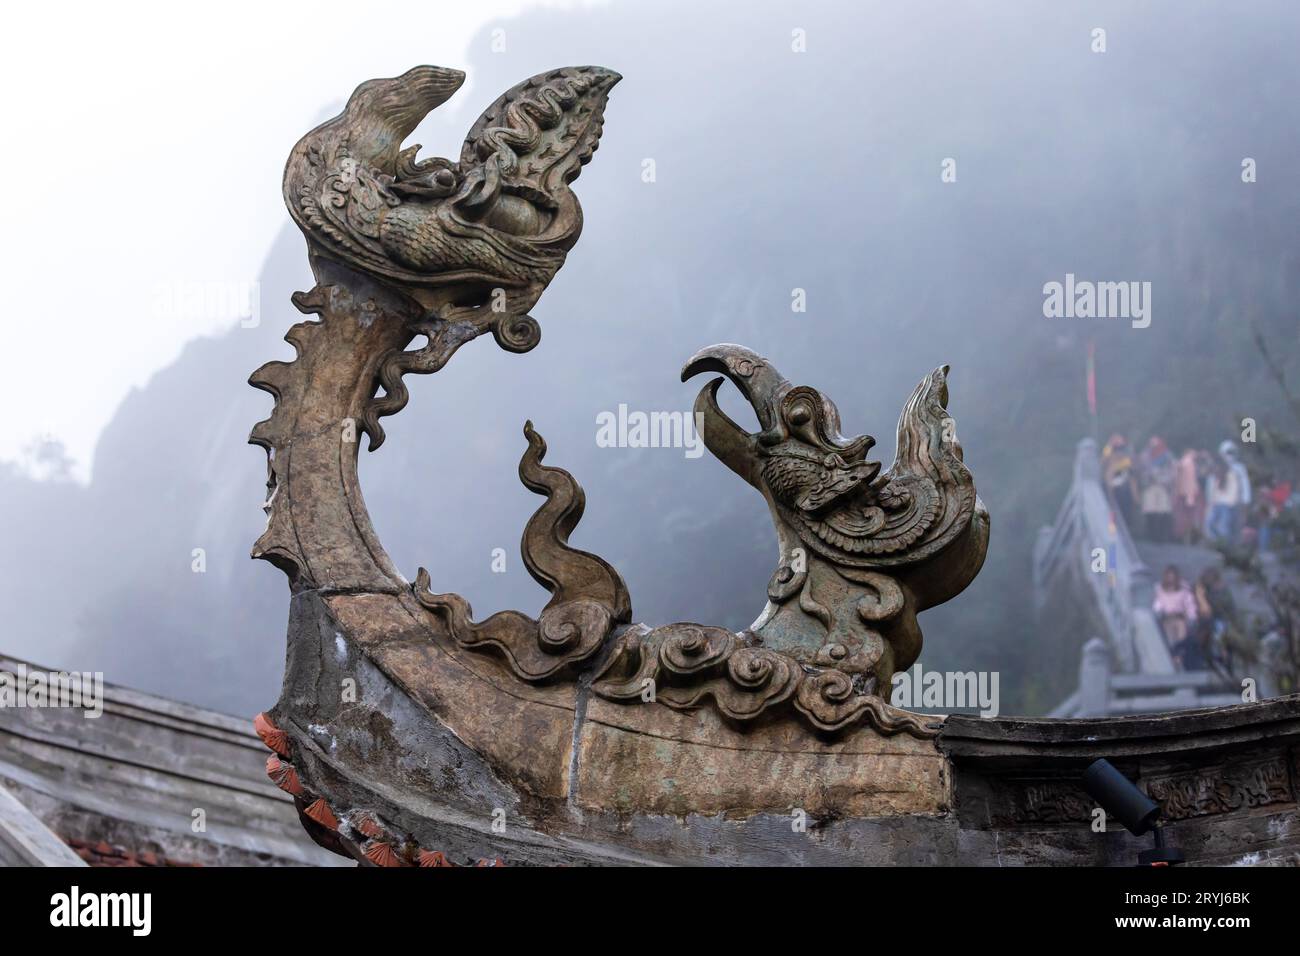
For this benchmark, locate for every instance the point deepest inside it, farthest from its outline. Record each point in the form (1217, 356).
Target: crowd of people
(1196, 497)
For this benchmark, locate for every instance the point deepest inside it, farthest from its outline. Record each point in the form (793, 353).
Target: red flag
(1092, 379)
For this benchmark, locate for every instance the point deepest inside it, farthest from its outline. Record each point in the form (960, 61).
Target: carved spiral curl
(700, 662)
(785, 583)
(534, 650)
(752, 668)
(830, 701)
(517, 333)
(756, 678)
(827, 699)
(565, 626)
(693, 648)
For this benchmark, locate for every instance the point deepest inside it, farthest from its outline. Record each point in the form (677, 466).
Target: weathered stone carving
(1021, 801)
(403, 247)
(861, 554)
(1014, 800)
(447, 250)
(683, 664)
(1222, 789)
(473, 242)
(450, 250)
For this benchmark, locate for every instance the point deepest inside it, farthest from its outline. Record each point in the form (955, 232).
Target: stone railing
(1102, 693)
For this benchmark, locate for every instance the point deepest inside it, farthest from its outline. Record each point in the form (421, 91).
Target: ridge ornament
(404, 248)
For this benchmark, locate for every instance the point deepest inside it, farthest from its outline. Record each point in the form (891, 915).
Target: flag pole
(1092, 388)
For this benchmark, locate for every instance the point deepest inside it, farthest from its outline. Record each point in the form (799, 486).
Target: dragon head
(799, 455)
(861, 551)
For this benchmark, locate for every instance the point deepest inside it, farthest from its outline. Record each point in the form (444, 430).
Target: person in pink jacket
(1175, 608)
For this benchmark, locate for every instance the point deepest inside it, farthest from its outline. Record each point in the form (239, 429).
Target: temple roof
(133, 785)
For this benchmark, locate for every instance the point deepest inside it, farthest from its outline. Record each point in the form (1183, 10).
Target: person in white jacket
(1228, 452)
(1223, 494)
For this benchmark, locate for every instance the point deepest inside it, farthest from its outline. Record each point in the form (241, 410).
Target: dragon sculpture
(900, 542)
(402, 248)
(861, 553)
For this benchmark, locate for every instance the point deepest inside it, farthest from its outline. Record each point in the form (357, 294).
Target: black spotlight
(1138, 812)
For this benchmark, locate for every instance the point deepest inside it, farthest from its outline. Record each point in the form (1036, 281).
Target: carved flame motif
(588, 596)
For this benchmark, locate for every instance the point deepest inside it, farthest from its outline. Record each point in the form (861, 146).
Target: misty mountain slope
(773, 171)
